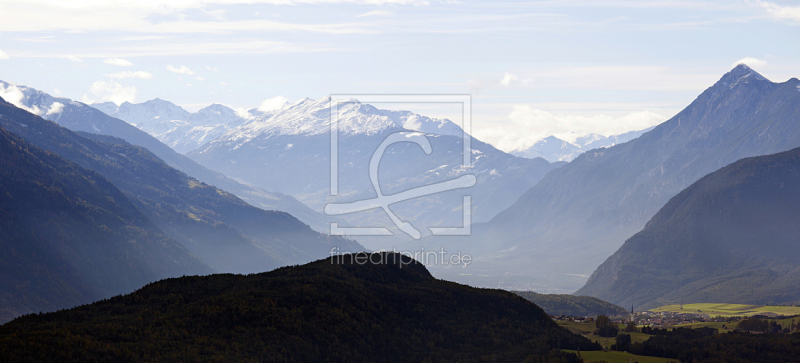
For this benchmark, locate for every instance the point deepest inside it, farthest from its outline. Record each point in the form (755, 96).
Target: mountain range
(223, 230)
(554, 149)
(731, 236)
(179, 129)
(296, 142)
(77, 116)
(224, 233)
(579, 214)
(562, 220)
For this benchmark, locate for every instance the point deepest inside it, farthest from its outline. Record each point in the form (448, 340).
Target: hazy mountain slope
(296, 141)
(69, 237)
(579, 214)
(562, 304)
(220, 228)
(331, 310)
(733, 236)
(77, 116)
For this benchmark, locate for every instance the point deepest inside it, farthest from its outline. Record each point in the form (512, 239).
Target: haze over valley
(399, 181)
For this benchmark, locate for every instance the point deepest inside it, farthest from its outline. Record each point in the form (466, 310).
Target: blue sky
(534, 68)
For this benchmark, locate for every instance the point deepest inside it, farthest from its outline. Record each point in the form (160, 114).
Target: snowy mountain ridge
(34, 101)
(313, 117)
(554, 149)
(185, 131)
(174, 126)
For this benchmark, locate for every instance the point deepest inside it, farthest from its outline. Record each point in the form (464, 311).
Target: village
(649, 318)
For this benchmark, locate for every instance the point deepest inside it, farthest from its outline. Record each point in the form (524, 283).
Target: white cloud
(56, 91)
(14, 95)
(204, 47)
(200, 79)
(103, 91)
(171, 17)
(242, 112)
(790, 13)
(182, 70)
(375, 13)
(118, 62)
(223, 83)
(273, 104)
(751, 62)
(528, 125)
(73, 58)
(3, 55)
(56, 107)
(129, 74)
(605, 78)
(507, 79)
(171, 6)
(210, 68)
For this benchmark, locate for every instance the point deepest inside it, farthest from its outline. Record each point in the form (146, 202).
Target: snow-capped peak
(311, 117)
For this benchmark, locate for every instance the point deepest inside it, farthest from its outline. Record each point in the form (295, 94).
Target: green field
(722, 327)
(619, 357)
(586, 330)
(730, 309)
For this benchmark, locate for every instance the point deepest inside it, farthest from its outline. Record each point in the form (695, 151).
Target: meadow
(618, 357)
(713, 309)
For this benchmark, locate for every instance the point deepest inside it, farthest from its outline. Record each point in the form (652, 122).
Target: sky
(533, 68)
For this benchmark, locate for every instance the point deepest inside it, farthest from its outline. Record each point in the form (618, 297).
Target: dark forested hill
(69, 237)
(332, 310)
(224, 231)
(562, 304)
(733, 236)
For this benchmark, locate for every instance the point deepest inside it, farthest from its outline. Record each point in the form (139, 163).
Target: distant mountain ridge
(572, 305)
(227, 233)
(733, 236)
(77, 116)
(579, 214)
(307, 120)
(68, 236)
(312, 117)
(179, 129)
(551, 149)
(554, 149)
(296, 142)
